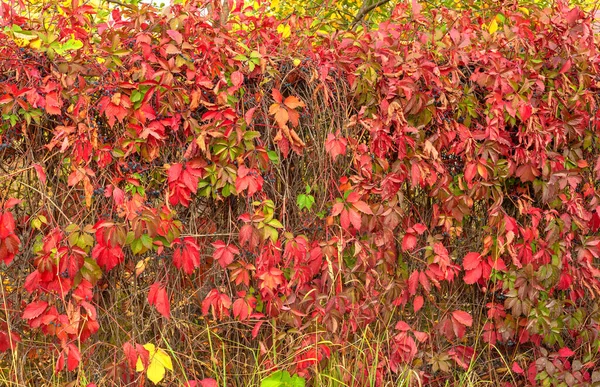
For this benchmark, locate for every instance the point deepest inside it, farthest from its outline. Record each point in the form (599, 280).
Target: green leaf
(146, 241)
(282, 379)
(72, 44)
(275, 223)
(136, 96)
(91, 271)
(273, 157)
(305, 201)
(136, 246)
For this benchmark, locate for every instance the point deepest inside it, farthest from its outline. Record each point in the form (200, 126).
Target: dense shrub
(403, 202)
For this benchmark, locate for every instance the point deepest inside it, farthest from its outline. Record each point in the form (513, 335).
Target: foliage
(157, 362)
(282, 379)
(251, 188)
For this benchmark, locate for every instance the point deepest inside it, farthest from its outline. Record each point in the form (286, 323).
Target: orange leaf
(281, 117)
(293, 102)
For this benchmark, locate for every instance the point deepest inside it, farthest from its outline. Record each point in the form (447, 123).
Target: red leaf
(409, 242)
(470, 171)
(224, 253)
(471, 261)
(187, 256)
(363, 207)
(108, 257)
(337, 208)
(130, 354)
(34, 309)
(462, 355)
(6, 256)
(237, 78)
(354, 218)
(413, 283)
(249, 235)
(40, 173)
(565, 352)
(174, 172)
(421, 336)
(335, 146)
(248, 179)
(242, 308)
(419, 228)
(566, 66)
(249, 114)
(201, 383)
(277, 96)
(60, 362)
(517, 368)
(175, 35)
(472, 276)
(53, 103)
(256, 328)
(73, 358)
(158, 297)
(9, 341)
(216, 302)
(10, 203)
(402, 326)
(418, 303)
(525, 111)
(7, 224)
(463, 318)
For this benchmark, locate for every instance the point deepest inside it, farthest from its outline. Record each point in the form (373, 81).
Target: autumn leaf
(243, 307)
(158, 297)
(108, 257)
(175, 35)
(473, 266)
(73, 358)
(158, 362)
(248, 179)
(186, 254)
(53, 103)
(335, 145)
(460, 320)
(216, 302)
(418, 303)
(284, 110)
(565, 352)
(34, 309)
(40, 173)
(224, 253)
(237, 78)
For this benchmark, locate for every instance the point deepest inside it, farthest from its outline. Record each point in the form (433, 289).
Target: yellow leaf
(164, 359)
(284, 30)
(493, 27)
(158, 363)
(21, 42)
(524, 10)
(156, 372)
(35, 44)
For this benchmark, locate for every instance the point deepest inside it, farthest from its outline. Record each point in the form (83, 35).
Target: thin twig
(364, 11)
(117, 2)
